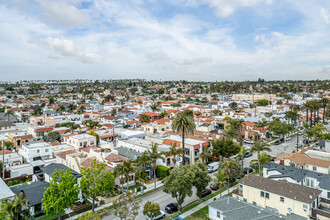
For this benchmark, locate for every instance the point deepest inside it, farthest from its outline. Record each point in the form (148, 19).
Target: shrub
(162, 172)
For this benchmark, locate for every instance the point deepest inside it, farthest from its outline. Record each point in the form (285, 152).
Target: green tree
(184, 124)
(163, 114)
(144, 119)
(317, 131)
(90, 124)
(13, 207)
(154, 155)
(95, 135)
(224, 147)
(205, 155)
(61, 109)
(279, 102)
(37, 111)
(262, 159)
(142, 161)
(71, 107)
(52, 136)
(220, 179)
(324, 102)
(230, 167)
(95, 181)
(179, 184)
(151, 210)
(62, 193)
(126, 207)
(201, 178)
(262, 102)
(259, 147)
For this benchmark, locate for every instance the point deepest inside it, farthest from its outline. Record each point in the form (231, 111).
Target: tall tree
(225, 148)
(126, 207)
(151, 210)
(259, 147)
(184, 124)
(179, 184)
(262, 159)
(154, 108)
(220, 179)
(237, 124)
(62, 193)
(119, 172)
(129, 170)
(174, 151)
(230, 167)
(154, 155)
(201, 177)
(142, 161)
(13, 207)
(96, 181)
(323, 104)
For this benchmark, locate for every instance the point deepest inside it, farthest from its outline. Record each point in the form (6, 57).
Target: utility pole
(297, 139)
(3, 160)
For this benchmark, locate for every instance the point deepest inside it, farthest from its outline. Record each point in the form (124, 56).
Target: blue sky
(165, 39)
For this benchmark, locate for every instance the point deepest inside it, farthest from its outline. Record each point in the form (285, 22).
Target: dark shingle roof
(34, 192)
(50, 169)
(6, 124)
(289, 190)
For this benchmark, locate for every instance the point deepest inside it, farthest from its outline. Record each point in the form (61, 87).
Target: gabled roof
(50, 169)
(34, 192)
(5, 192)
(302, 159)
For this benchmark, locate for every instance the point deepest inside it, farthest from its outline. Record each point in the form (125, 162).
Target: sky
(197, 40)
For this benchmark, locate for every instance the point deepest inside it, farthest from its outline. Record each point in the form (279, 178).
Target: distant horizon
(209, 40)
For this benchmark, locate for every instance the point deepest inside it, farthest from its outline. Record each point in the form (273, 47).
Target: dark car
(278, 142)
(206, 192)
(247, 154)
(231, 180)
(214, 186)
(248, 170)
(325, 123)
(282, 140)
(172, 207)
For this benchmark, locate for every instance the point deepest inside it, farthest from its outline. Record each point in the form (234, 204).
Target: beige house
(304, 161)
(42, 120)
(79, 141)
(284, 197)
(254, 97)
(159, 126)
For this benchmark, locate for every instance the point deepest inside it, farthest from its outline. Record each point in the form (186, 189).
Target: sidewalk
(207, 202)
(149, 188)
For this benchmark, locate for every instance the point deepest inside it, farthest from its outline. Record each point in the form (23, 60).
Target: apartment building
(281, 196)
(79, 141)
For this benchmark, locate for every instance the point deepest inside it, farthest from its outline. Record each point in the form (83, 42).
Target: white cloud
(225, 8)
(66, 48)
(157, 55)
(194, 61)
(63, 13)
(325, 15)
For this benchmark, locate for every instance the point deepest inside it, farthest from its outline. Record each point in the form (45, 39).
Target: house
(51, 168)
(160, 126)
(34, 194)
(6, 126)
(151, 115)
(132, 124)
(5, 192)
(205, 127)
(77, 119)
(35, 151)
(304, 161)
(80, 140)
(40, 131)
(20, 138)
(10, 158)
(227, 207)
(126, 114)
(284, 197)
(20, 170)
(42, 120)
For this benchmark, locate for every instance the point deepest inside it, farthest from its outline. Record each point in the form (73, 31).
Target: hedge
(162, 172)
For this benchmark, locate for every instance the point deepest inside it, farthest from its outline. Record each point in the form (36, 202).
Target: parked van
(213, 167)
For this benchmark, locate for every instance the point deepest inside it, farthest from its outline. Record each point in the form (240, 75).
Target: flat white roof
(82, 136)
(36, 144)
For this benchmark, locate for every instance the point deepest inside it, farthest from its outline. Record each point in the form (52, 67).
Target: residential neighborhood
(146, 151)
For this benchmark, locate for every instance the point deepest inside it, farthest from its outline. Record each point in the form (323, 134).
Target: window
(305, 207)
(254, 203)
(262, 193)
(46, 150)
(267, 195)
(307, 182)
(241, 187)
(282, 199)
(80, 144)
(38, 151)
(314, 168)
(218, 214)
(312, 183)
(328, 195)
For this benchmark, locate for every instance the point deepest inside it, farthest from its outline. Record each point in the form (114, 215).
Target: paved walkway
(207, 202)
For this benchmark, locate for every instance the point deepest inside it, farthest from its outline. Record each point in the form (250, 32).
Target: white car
(161, 216)
(248, 141)
(287, 138)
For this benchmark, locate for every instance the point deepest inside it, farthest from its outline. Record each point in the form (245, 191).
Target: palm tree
(81, 110)
(184, 124)
(154, 108)
(262, 159)
(142, 161)
(230, 133)
(120, 173)
(8, 113)
(14, 207)
(129, 169)
(236, 124)
(174, 151)
(308, 107)
(323, 104)
(205, 155)
(154, 155)
(241, 154)
(229, 168)
(71, 107)
(61, 109)
(259, 147)
(220, 179)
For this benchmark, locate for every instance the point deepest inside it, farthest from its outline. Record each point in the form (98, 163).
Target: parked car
(248, 141)
(206, 192)
(248, 170)
(172, 207)
(212, 167)
(299, 145)
(231, 180)
(278, 142)
(282, 140)
(287, 138)
(214, 186)
(247, 154)
(161, 216)
(325, 123)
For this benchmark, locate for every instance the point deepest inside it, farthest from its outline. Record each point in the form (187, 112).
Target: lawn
(200, 214)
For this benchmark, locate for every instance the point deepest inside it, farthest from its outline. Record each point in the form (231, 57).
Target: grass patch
(200, 214)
